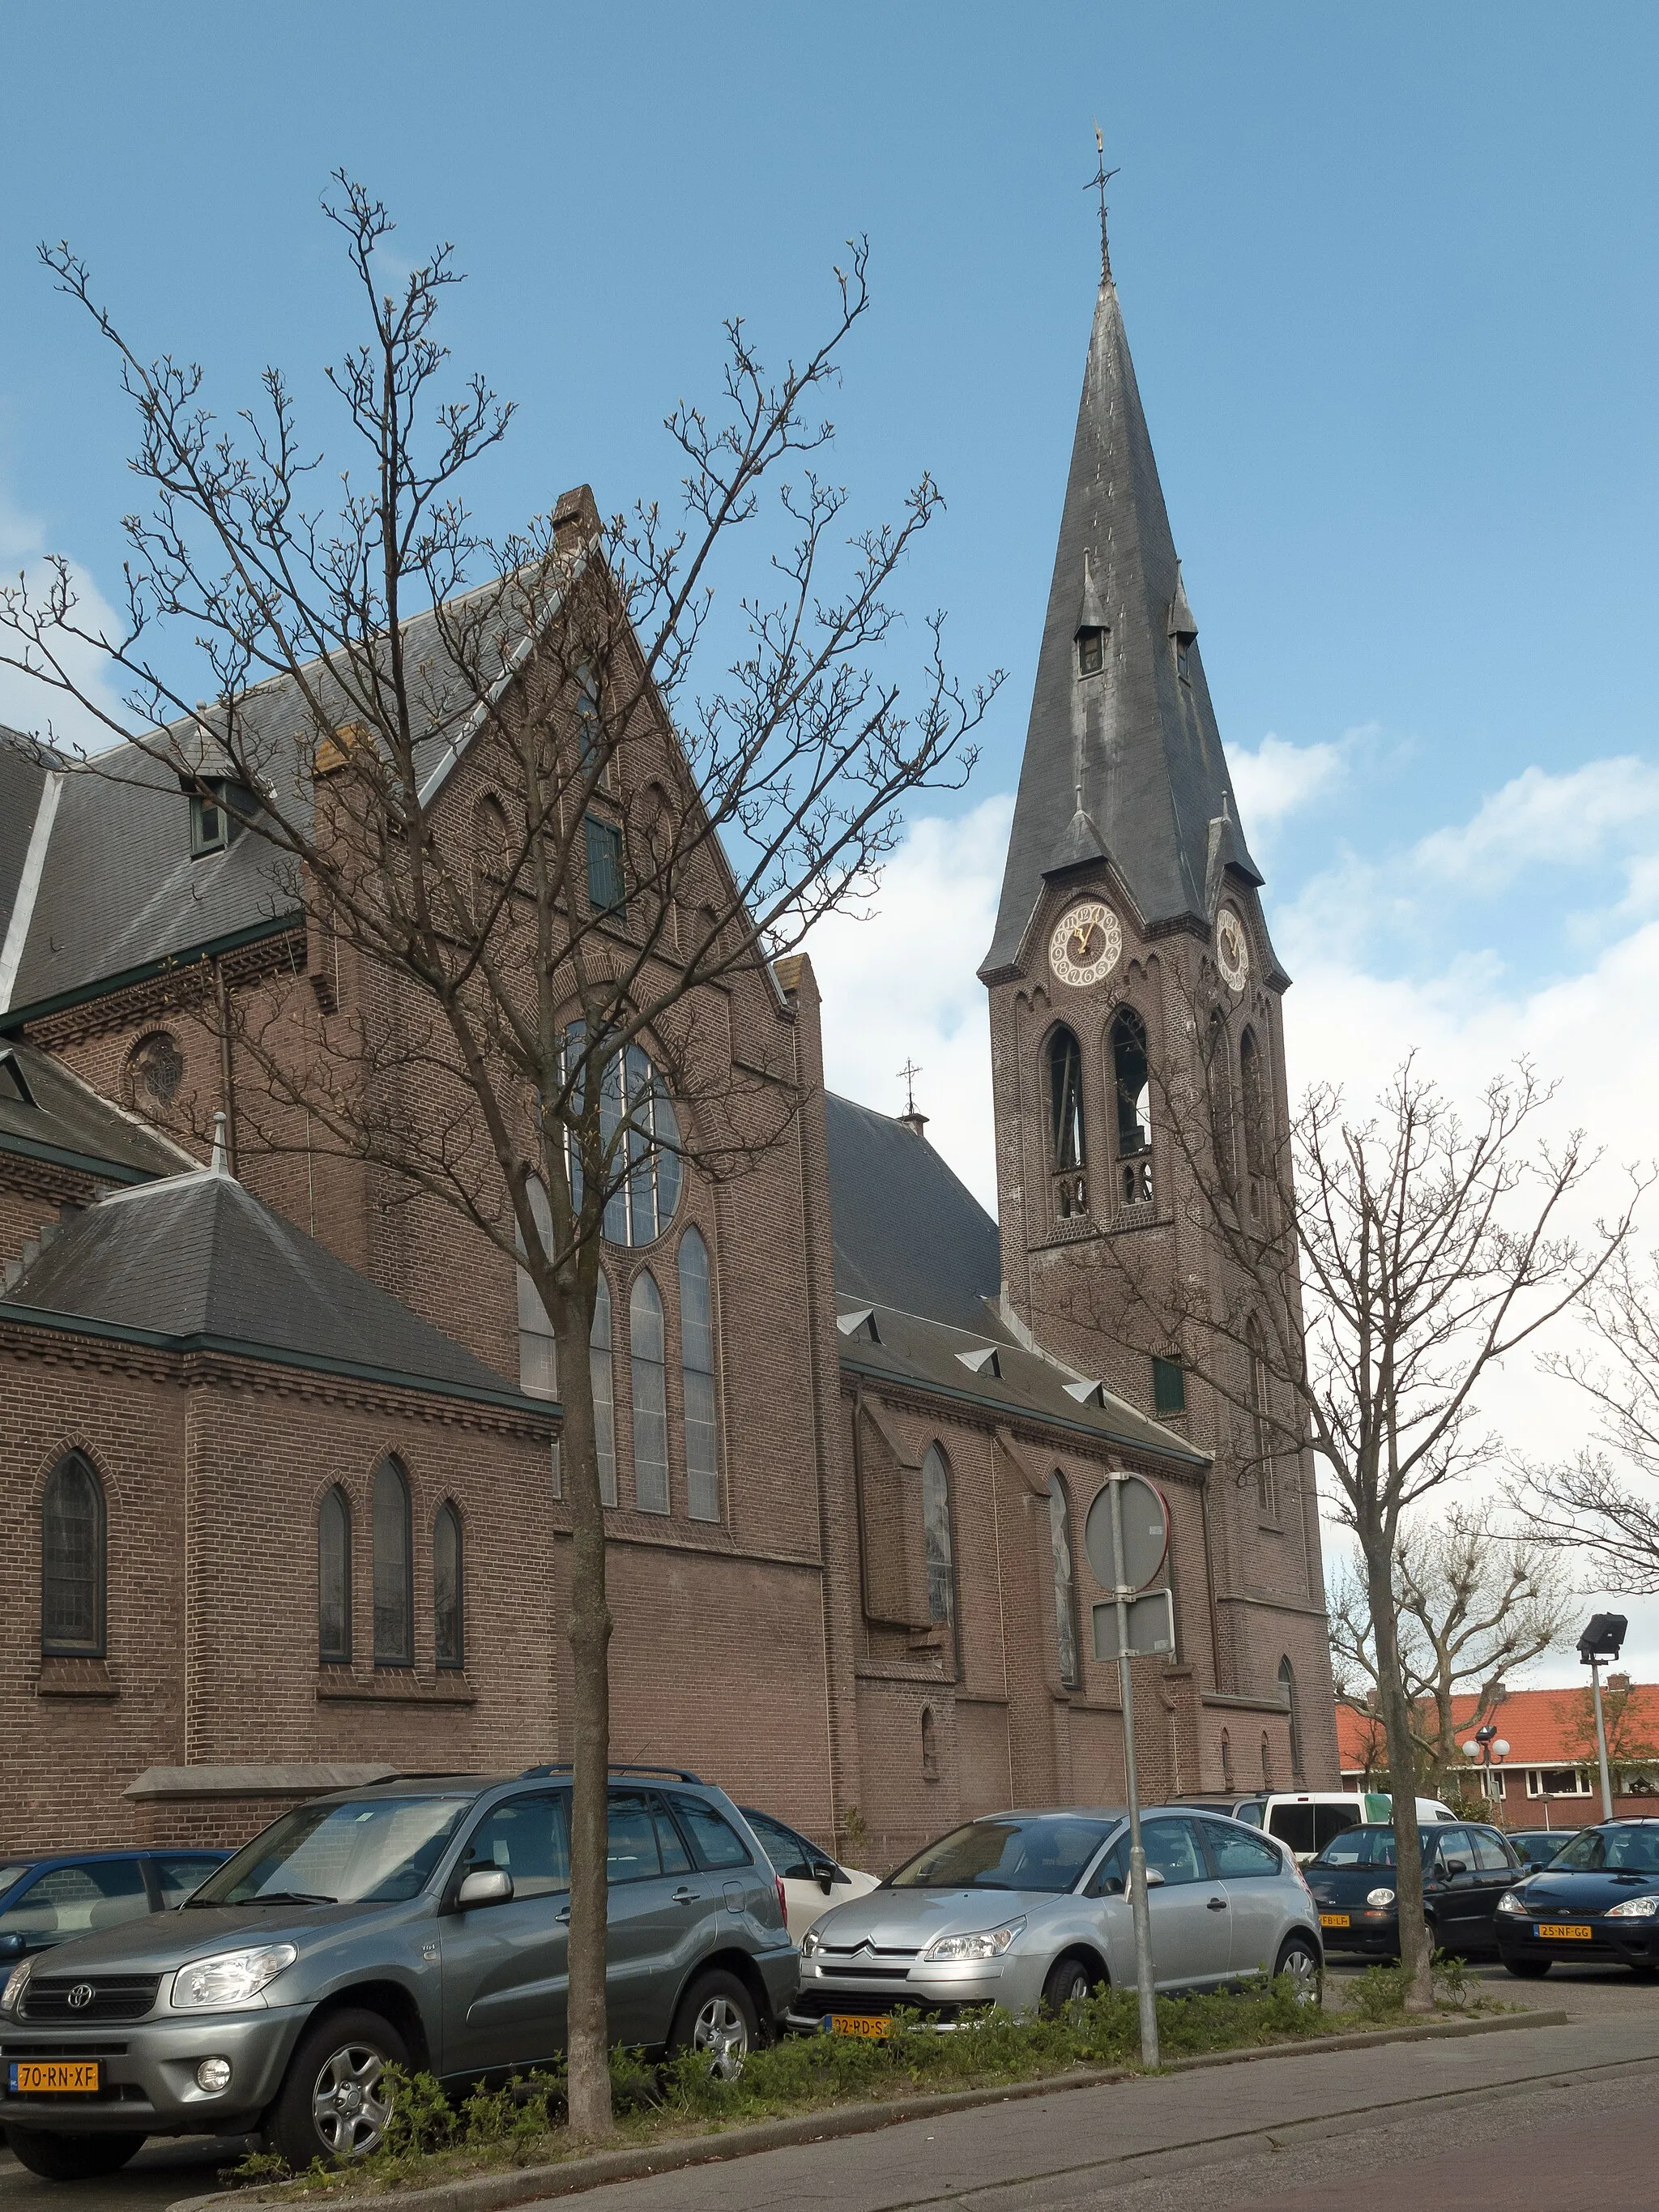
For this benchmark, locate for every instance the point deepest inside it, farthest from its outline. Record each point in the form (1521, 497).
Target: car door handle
(562, 1914)
(686, 1896)
(1216, 1904)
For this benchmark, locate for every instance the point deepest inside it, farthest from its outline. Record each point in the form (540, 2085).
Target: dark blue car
(1597, 1899)
(48, 1899)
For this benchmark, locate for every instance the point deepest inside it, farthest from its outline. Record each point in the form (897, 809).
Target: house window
(447, 1620)
(1131, 1086)
(1558, 1782)
(1261, 1439)
(605, 1402)
(334, 1579)
(1091, 652)
(1066, 1132)
(937, 1545)
(605, 867)
(588, 735)
(1060, 1538)
(702, 1470)
(210, 822)
(538, 1360)
(72, 1562)
(1287, 1684)
(492, 846)
(1169, 1387)
(649, 1367)
(394, 1610)
(640, 1136)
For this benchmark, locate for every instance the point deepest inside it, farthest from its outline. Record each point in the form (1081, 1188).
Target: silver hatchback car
(1031, 1909)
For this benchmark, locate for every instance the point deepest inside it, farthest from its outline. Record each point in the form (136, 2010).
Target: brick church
(280, 1503)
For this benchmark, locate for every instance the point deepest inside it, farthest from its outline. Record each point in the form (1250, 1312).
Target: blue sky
(1390, 281)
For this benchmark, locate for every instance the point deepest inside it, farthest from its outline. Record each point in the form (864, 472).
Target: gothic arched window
(538, 1360)
(1226, 1760)
(647, 1360)
(1287, 1683)
(1261, 1437)
(73, 1556)
(702, 1435)
(1267, 1762)
(394, 1568)
(448, 1619)
(929, 1747)
(936, 1536)
(334, 1578)
(1254, 1102)
(155, 1069)
(1132, 1087)
(1067, 1146)
(1060, 1537)
(605, 1397)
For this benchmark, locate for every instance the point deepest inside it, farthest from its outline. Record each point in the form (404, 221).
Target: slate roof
(1128, 766)
(120, 893)
(69, 1124)
(196, 1262)
(916, 1250)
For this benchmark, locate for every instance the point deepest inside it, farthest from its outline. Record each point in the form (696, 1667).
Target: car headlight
(810, 1941)
(229, 1980)
(1634, 1908)
(987, 1943)
(1510, 1902)
(1379, 1898)
(16, 1982)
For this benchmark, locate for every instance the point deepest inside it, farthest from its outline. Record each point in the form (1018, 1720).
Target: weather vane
(1101, 177)
(907, 1075)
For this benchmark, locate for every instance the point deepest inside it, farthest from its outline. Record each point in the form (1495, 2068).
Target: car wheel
(1528, 1970)
(335, 2103)
(1069, 1983)
(70, 2158)
(1299, 1960)
(717, 2015)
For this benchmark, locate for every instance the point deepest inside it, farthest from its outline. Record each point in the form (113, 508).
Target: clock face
(1085, 945)
(1232, 950)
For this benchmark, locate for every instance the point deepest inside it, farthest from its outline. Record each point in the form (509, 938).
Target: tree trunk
(1415, 1951)
(588, 2046)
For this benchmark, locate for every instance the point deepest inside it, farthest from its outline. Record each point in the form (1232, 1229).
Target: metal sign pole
(1601, 1741)
(1139, 1905)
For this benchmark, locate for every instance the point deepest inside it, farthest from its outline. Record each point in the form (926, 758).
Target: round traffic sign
(1146, 1521)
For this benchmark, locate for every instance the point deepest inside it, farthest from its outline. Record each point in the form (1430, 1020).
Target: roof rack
(618, 1766)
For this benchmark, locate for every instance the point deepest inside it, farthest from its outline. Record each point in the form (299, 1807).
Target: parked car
(54, 1897)
(1466, 1868)
(1031, 1909)
(1307, 1819)
(422, 1922)
(1536, 1847)
(812, 1880)
(1597, 1899)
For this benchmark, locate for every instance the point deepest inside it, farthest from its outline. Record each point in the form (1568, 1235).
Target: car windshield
(1359, 1847)
(378, 1851)
(1611, 1850)
(1045, 1854)
(10, 1874)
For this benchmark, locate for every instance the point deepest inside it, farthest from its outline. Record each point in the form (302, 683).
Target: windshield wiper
(286, 1897)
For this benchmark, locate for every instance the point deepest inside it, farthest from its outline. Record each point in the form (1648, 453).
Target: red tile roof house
(1549, 1779)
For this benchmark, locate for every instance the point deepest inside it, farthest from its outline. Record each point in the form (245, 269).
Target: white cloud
(1280, 779)
(1540, 819)
(27, 704)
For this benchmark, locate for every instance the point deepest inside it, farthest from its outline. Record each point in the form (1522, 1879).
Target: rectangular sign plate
(1152, 1627)
(1334, 1920)
(57, 2077)
(1558, 1928)
(872, 2025)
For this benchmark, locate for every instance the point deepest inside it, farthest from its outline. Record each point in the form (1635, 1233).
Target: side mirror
(11, 1944)
(1154, 1879)
(483, 1886)
(1456, 1866)
(825, 1874)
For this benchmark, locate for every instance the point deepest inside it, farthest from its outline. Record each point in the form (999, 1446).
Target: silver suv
(422, 1922)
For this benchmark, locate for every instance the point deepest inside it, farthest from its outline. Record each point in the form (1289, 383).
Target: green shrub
(1379, 1993)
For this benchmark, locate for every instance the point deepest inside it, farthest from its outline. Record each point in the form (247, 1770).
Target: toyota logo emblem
(81, 1996)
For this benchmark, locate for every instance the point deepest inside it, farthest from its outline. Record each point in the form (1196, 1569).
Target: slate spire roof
(1125, 765)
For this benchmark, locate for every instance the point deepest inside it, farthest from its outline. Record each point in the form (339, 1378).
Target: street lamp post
(1490, 1750)
(1602, 1640)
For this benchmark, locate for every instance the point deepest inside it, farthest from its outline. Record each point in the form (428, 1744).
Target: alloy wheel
(722, 2034)
(1304, 1971)
(349, 2105)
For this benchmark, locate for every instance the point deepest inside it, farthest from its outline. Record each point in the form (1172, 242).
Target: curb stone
(528, 2185)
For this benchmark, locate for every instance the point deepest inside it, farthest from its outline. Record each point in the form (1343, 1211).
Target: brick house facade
(873, 1614)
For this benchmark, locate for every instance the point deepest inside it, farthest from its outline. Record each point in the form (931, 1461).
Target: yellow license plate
(872, 2025)
(1334, 1920)
(57, 2077)
(1556, 1928)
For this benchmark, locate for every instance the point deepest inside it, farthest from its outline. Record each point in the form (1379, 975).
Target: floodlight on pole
(1603, 1639)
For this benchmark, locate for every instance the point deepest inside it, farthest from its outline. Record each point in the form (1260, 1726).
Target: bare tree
(1474, 1604)
(1431, 1249)
(532, 858)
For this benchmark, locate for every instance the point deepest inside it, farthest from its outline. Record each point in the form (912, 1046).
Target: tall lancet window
(1059, 1537)
(1131, 1086)
(1066, 1136)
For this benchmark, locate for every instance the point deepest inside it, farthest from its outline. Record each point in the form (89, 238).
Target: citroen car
(421, 1922)
(1597, 1899)
(1030, 1910)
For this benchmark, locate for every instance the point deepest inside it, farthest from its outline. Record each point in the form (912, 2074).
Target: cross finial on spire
(1099, 182)
(907, 1075)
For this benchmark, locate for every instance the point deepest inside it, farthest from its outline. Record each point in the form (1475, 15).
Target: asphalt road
(1484, 2125)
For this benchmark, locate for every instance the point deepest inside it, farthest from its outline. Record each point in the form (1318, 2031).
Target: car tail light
(783, 1902)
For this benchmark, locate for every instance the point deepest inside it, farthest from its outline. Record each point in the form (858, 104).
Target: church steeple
(1123, 759)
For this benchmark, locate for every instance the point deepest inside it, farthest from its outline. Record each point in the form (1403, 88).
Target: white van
(1306, 1820)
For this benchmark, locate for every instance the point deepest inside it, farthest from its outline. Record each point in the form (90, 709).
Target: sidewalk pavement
(1144, 2140)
